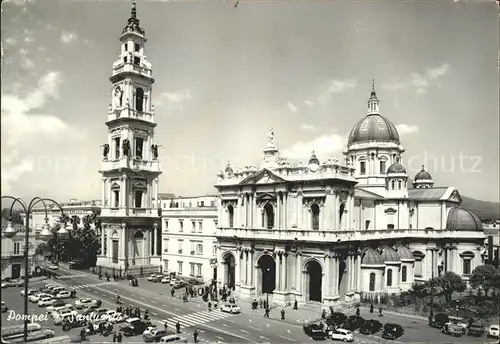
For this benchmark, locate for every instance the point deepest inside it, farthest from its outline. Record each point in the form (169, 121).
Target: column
(278, 211)
(300, 212)
(237, 269)
(156, 253)
(335, 274)
(104, 229)
(358, 271)
(121, 253)
(350, 212)
(298, 272)
(285, 222)
(245, 267)
(146, 239)
(328, 267)
(252, 265)
(284, 260)
(349, 272)
(103, 191)
(253, 211)
(335, 208)
(434, 262)
(278, 272)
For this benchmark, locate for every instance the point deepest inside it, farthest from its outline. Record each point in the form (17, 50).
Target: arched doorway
(343, 278)
(268, 216)
(137, 248)
(230, 268)
(314, 281)
(267, 267)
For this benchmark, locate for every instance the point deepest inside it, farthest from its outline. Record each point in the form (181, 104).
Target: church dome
(405, 253)
(313, 159)
(389, 255)
(371, 257)
(396, 168)
(463, 220)
(422, 175)
(374, 127)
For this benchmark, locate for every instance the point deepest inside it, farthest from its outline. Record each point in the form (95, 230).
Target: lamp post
(45, 235)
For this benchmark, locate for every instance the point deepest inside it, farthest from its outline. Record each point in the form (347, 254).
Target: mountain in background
(483, 209)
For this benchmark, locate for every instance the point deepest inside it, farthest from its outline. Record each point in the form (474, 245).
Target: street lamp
(46, 234)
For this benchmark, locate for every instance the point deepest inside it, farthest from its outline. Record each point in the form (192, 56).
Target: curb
(404, 315)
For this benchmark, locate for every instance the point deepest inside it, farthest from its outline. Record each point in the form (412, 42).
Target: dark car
(336, 319)
(392, 331)
(315, 331)
(370, 327)
(68, 325)
(476, 329)
(180, 285)
(353, 322)
(155, 335)
(137, 327)
(438, 320)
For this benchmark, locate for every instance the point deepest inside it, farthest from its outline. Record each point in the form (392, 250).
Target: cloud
(307, 127)
(23, 127)
(292, 107)
(28, 38)
(419, 82)
(406, 129)
(25, 61)
(68, 36)
(50, 27)
(309, 103)
(325, 146)
(336, 86)
(10, 41)
(173, 99)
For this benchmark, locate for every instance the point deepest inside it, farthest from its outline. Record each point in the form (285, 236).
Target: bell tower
(130, 168)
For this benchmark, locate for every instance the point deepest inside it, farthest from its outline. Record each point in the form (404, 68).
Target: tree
(15, 216)
(485, 277)
(449, 283)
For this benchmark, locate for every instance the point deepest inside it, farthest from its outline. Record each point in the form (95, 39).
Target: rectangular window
(367, 224)
(165, 245)
(200, 226)
(179, 267)
(191, 269)
(382, 167)
(193, 229)
(105, 244)
(116, 202)
(202, 204)
(137, 47)
(139, 144)
(138, 199)
(193, 244)
(418, 267)
(199, 248)
(181, 226)
(115, 251)
(166, 265)
(404, 273)
(362, 167)
(390, 226)
(466, 266)
(198, 270)
(137, 60)
(117, 147)
(180, 243)
(165, 227)
(214, 251)
(17, 247)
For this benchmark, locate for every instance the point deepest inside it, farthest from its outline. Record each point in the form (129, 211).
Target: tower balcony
(125, 162)
(131, 68)
(339, 236)
(127, 112)
(129, 212)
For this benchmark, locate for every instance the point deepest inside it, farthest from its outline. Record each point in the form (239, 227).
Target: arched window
(341, 212)
(389, 278)
(268, 216)
(230, 211)
(392, 185)
(372, 282)
(399, 184)
(139, 98)
(315, 216)
(403, 274)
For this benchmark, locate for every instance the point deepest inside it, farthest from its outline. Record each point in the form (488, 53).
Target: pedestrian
(323, 314)
(195, 335)
(261, 303)
(114, 337)
(380, 312)
(283, 314)
(266, 314)
(295, 304)
(172, 292)
(119, 338)
(178, 327)
(371, 308)
(358, 312)
(138, 312)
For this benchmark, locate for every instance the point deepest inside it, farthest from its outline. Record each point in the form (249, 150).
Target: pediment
(455, 197)
(139, 185)
(390, 211)
(266, 197)
(264, 176)
(115, 185)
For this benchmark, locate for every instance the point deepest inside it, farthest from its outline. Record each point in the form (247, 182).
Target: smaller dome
(422, 175)
(313, 159)
(405, 253)
(371, 257)
(389, 255)
(396, 168)
(463, 220)
(229, 169)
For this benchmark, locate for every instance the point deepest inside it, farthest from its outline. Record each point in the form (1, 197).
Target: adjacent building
(188, 236)
(333, 231)
(13, 252)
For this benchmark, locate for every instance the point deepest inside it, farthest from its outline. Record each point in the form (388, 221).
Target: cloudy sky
(226, 74)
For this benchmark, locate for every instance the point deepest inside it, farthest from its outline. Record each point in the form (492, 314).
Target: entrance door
(16, 271)
(315, 281)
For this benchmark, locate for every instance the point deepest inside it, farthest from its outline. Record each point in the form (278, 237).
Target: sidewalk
(403, 315)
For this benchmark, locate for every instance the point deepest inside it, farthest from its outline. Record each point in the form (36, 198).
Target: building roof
(374, 127)
(422, 175)
(396, 168)
(371, 257)
(463, 220)
(166, 195)
(362, 193)
(389, 255)
(427, 194)
(405, 253)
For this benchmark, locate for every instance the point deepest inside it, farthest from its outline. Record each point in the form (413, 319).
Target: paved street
(214, 326)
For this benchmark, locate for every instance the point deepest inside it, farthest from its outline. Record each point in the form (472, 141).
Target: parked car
(30, 292)
(4, 307)
(179, 284)
(135, 328)
(353, 322)
(149, 329)
(392, 331)
(172, 281)
(153, 277)
(165, 280)
(476, 329)
(73, 323)
(55, 305)
(438, 320)
(341, 334)
(53, 266)
(66, 315)
(315, 331)
(63, 309)
(459, 321)
(154, 335)
(46, 301)
(64, 294)
(84, 302)
(336, 319)
(36, 297)
(370, 327)
(173, 338)
(452, 329)
(230, 308)
(493, 331)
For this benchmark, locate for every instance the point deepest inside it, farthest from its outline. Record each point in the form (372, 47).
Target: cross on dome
(133, 22)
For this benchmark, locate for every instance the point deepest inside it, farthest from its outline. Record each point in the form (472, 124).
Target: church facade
(332, 230)
(130, 239)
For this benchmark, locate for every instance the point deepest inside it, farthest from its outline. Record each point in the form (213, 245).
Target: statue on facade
(126, 147)
(270, 136)
(154, 149)
(118, 96)
(105, 151)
